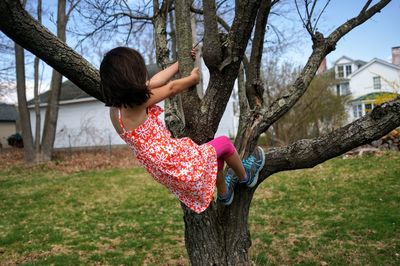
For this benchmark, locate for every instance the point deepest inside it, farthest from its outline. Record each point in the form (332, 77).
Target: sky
(374, 38)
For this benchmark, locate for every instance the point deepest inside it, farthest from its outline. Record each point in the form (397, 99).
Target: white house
(83, 121)
(8, 123)
(366, 82)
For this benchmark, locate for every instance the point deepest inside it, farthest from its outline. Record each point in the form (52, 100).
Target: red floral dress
(188, 170)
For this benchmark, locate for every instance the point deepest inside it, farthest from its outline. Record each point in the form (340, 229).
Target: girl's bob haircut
(123, 76)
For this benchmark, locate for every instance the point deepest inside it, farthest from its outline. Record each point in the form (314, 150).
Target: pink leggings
(224, 148)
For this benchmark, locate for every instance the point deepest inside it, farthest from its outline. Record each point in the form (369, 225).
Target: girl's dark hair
(123, 76)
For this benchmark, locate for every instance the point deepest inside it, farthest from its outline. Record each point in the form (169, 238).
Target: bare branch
(307, 153)
(321, 48)
(366, 6)
(72, 6)
(212, 52)
(220, 20)
(320, 14)
(363, 16)
(17, 24)
(254, 88)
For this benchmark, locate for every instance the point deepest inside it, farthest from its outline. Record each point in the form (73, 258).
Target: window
(338, 89)
(368, 107)
(345, 89)
(348, 70)
(340, 72)
(357, 110)
(377, 83)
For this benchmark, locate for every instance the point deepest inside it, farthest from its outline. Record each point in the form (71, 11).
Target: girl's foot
(253, 165)
(230, 187)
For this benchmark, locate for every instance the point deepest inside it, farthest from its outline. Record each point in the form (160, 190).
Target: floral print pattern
(188, 170)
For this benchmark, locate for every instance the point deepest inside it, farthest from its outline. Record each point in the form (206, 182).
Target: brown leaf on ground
(76, 160)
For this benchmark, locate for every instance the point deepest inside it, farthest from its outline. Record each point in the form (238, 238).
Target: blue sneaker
(230, 181)
(253, 165)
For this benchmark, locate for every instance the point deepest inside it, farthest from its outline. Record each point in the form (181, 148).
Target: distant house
(8, 118)
(83, 121)
(367, 82)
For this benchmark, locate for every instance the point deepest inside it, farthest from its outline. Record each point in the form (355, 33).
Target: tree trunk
(220, 235)
(22, 105)
(36, 93)
(50, 124)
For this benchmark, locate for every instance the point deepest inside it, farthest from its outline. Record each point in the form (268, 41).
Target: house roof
(375, 60)
(343, 57)
(359, 62)
(8, 112)
(356, 62)
(71, 93)
(373, 96)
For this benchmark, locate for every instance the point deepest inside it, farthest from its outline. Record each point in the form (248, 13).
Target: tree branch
(307, 153)
(254, 88)
(191, 102)
(220, 20)
(212, 53)
(363, 16)
(18, 25)
(322, 47)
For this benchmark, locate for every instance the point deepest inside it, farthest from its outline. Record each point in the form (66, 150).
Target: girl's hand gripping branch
(163, 77)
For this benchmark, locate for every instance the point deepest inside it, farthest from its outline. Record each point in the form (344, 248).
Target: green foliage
(340, 212)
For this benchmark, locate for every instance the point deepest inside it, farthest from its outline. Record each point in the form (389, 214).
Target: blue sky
(374, 38)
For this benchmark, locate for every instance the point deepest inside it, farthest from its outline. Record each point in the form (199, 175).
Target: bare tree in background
(36, 90)
(317, 112)
(24, 118)
(220, 235)
(42, 148)
(50, 123)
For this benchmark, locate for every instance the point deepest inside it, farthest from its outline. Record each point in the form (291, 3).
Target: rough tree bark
(50, 123)
(220, 235)
(24, 118)
(36, 89)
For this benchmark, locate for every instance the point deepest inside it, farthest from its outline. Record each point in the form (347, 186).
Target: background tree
(220, 234)
(36, 90)
(41, 149)
(317, 112)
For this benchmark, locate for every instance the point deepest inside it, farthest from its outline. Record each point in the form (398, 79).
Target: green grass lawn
(342, 212)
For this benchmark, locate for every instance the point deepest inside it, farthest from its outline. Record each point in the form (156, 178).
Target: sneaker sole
(252, 184)
(228, 202)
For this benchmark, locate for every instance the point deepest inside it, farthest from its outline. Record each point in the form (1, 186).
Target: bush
(15, 140)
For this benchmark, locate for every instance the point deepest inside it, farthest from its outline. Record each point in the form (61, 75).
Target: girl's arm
(162, 77)
(174, 87)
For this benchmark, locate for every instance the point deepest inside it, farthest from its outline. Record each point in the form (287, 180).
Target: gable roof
(8, 112)
(375, 60)
(343, 57)
(69, 92)
(356, 62)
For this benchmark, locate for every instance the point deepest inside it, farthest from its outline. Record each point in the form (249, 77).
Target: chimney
(322, 67)
(396, 55)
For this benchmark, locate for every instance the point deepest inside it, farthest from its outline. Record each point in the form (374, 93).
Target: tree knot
(318, 39)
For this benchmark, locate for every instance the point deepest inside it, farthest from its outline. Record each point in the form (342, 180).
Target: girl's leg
(236, 164)
(227, 152)
(221, 185)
